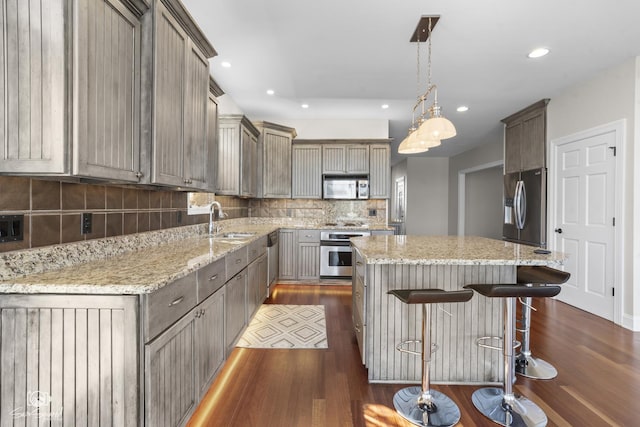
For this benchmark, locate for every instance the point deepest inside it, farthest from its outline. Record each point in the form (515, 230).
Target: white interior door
(584, 220)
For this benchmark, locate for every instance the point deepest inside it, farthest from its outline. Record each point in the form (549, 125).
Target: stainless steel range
(335, 252)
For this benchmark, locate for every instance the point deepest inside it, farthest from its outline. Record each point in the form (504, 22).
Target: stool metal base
(532, 367)
(446, 412)
(524, 413)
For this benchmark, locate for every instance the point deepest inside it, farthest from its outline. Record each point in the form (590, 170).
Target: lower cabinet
(287, 251)
(299, 254)
(182, 361)
(235, 301)
(256, 285)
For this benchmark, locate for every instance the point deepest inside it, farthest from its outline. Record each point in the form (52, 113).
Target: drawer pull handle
(239, 276)
(214, 277)
(238, 260)
(356, 328)
(176, 301)
(358, 263)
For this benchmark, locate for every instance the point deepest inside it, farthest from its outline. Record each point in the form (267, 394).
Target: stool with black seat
(421, 405)
(502, 405)
(529, 275)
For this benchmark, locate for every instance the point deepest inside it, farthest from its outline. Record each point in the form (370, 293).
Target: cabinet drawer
(358, 296)
(168, 304)
(358, 326)
(257, 248)
(211, 278)
(235, 262)
(359, 265)
(312, 236)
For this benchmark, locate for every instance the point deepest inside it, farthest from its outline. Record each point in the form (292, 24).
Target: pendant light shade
(437, 128)
(414, 144)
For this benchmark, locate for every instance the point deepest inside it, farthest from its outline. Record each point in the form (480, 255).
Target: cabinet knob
(214, 277)
(558, 230)
(139, 174)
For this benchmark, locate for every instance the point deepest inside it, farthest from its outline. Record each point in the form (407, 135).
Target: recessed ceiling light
(539, 52)
(226, 64)
(462, 109)
(385, 106)
(270, 92)
(305, 105)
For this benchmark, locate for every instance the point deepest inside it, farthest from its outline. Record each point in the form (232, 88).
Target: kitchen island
(446, 262)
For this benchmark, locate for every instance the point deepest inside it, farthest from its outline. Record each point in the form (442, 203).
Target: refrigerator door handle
(517, 204)
(523, 202)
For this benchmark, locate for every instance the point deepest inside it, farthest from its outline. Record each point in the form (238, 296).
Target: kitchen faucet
(212, 207)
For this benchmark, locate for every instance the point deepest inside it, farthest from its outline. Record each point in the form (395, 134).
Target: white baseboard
(631, 322)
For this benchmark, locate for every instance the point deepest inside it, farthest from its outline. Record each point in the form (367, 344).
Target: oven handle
(334, 243)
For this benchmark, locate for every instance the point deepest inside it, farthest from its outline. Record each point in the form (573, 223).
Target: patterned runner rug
(286, 326)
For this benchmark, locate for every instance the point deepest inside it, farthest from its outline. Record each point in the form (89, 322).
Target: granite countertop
(134, 264)
(134, 272)
(450, 250)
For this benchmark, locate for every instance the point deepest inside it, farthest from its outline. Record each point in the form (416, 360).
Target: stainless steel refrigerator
(525, 207)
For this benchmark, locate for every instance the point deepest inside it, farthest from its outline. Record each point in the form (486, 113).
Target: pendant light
(429, 132)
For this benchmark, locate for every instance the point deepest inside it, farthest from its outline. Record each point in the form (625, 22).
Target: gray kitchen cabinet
(212, 130)
(90, 49)
(379, 171)
(256, 284)
(235, 305)
(181, 154)
(525, 138)
(358, 300)
(308, 259)
(287, 255)
(171, 387)
(306, 166)
(274, 169)
(210, 343)
(77, 350)
(237, 154)
(340, 159)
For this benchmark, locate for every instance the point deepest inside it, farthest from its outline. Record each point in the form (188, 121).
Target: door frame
(462, 185)
(619, 129)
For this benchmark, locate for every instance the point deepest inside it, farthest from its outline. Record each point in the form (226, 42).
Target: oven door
(335, 260)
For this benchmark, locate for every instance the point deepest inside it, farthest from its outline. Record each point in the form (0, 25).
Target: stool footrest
(480, 342)
(404, 347)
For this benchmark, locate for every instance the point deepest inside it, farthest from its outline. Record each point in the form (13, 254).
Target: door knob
(558, 230)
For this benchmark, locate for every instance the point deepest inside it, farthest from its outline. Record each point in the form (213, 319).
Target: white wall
(490, 152)
(613, 95)
(483, 203)
(427, 195)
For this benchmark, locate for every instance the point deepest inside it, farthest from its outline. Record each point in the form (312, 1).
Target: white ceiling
(345, 58)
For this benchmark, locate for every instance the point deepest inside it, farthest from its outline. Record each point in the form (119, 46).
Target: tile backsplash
(53, 210)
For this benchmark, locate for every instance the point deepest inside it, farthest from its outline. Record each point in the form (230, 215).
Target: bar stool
(527, 365)
(502, 405)
(421, 405)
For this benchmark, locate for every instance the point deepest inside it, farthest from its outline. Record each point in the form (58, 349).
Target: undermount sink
(237, 235)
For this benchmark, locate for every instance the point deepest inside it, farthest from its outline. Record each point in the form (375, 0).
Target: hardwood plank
(598, 382)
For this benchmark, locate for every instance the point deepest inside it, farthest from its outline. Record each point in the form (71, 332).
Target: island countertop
(450, 250)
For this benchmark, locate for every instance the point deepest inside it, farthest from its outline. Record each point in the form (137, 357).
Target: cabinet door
(32, 124)
(79, 350)
(210, 339)
(532, 150)
(235, 302)
(171, 389)
(106, 86)
(263, 278)
(307, 172)
(170, 79)
(512, 143)
(212, 137)
(249, 163)
(357, 159)
(333, 159)
(379, 171)
(198, 169)
(287, 253)
(308, 261)
(228, 164)
(276, 177)
(252, 289)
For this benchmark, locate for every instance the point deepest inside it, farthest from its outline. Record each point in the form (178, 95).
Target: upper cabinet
(274, 169)
(379, 171)
(70, 86)
(345, 159)
(237, 156)
(525, 138)
(181, 153)
(307, 171)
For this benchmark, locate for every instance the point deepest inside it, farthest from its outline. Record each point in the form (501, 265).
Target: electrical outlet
(373, 212)
(87, 219)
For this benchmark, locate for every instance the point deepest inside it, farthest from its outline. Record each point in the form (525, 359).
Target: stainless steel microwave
(346, 188)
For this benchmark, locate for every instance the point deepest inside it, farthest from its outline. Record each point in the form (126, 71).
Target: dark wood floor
(598, 382)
